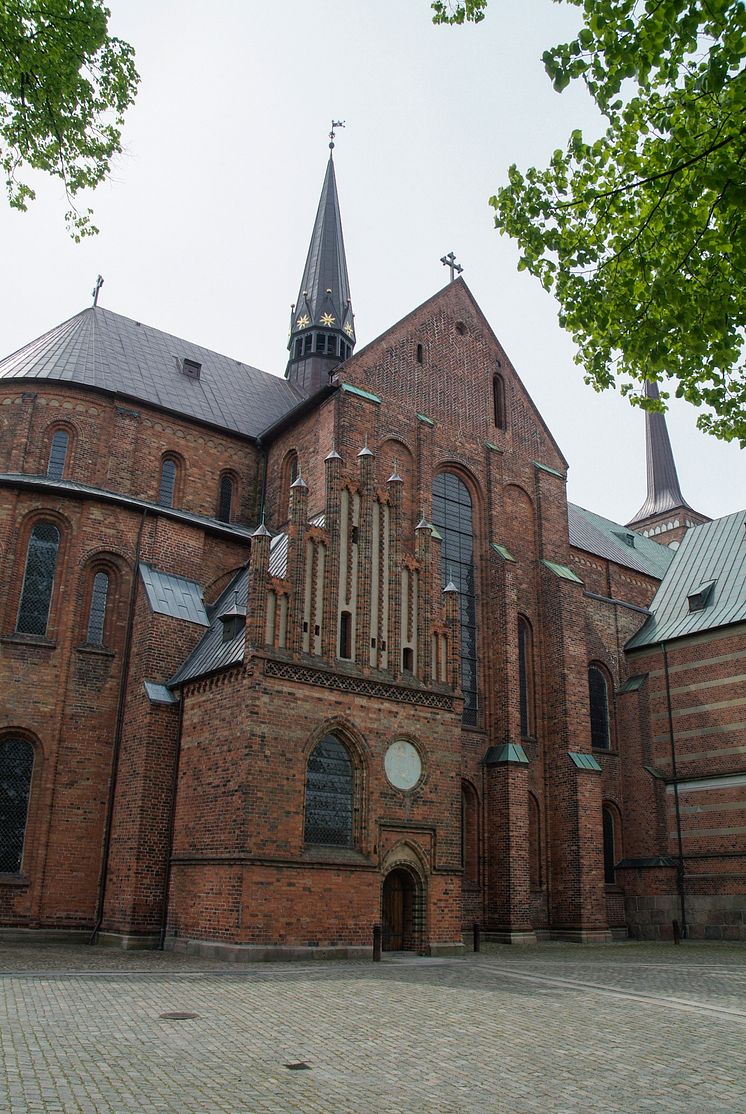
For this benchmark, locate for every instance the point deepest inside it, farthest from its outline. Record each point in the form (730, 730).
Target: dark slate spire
(322, 327)
(664, 493)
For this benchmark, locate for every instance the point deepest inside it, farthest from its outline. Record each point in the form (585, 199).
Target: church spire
(664, 496)
(322, 328)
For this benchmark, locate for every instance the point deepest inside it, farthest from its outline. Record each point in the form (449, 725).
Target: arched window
(526, 678)
(38, 579)
(225, 498)
(16, 766)
(97, 610)
(452, 515)
(58, 454)
(609, 845)
(534, 843)
(329, 786)
(469, 834)
(598, 691)
(168, 482)
(498, 400)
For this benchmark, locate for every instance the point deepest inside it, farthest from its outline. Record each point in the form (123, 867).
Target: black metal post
(676, 932)
(376, 943)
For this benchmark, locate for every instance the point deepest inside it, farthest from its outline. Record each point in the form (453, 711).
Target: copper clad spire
(664, 493)
(322, 330)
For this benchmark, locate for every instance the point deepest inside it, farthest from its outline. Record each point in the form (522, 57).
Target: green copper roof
(599, 535)
(361, 393)
(507, 754)
(714, 551)
(546, 468)
(583, 761)
(632, 684)
(562, 571)
(503, 551)
(424, 418)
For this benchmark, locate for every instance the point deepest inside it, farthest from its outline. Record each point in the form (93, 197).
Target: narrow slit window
(609, 848)
(498, 401)
(225, 499)
(58, 454)
(345, 635)
(598, 691)
(97, 612)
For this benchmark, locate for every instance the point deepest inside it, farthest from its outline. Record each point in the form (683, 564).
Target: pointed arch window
(452, 515)
(609, 838)
(38, 579)
(16, 767)
(167, 487)
(329, 791)
(526, 678)
(225, 497)
(97, 610)
(598, 692)
(469, 834)
(498, 400)
(534, 843)
(58, 454)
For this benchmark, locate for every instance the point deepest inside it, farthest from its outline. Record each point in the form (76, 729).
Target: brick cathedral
(285, 658)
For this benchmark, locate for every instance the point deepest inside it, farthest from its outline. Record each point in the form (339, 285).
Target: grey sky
(205, 224)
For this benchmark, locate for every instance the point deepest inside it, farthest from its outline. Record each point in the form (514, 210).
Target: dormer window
(701, 597)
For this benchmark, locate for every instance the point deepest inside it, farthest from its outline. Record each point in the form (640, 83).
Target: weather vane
(335, 124)
(450, 261)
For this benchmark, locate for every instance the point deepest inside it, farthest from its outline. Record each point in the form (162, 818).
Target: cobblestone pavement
(619, 1027)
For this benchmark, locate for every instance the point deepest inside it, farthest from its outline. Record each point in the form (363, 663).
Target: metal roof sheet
(211, 653)
(101, 349)
(601, 536)
(174, 595)
(713, 551)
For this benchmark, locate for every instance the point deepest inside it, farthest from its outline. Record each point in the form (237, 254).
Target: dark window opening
(225, 498)
(460, 328)
(419, 353)
(299, 347)
(345, 635)
(355, 535)
(97, 611)
(329, 789)
(469, 835)
(191, 368)
(307, 343)
(534, 843)
(598, 691)
(16, 766)
(452, 515)
(525, 678)
(498, 401)
(407, 659)
(168, 483)
(58, 454)
(38, 579)
(609, 852)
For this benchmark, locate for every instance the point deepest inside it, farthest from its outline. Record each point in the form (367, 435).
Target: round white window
(403, 765)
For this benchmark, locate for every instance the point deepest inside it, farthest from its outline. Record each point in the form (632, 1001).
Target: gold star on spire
(303, 322)
(348, 329)
(327, 319)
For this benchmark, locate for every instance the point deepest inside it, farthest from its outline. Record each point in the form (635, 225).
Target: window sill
(18, 880)
(29, 640)
(606, 750)
(321, 853)
(95, 651)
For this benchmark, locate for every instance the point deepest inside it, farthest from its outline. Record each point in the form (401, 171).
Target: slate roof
(715, 551)
(211, 653)
(101, 349)
(607, 539)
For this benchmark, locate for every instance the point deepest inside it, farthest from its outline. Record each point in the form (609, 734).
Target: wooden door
(398, 911)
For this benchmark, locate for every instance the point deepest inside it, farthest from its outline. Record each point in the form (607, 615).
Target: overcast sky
(206, 221)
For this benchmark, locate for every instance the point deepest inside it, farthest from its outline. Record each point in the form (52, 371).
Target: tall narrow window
(598, 691)
(452, 514)
(526, 678)
(345, 634)
(469, 834)
(168, 482)
(38, 579)
(16, 766)
(609, 849)
(498, 400)
(97, 612)
(329, 786)
(534, 843)
(58, 454)
(225, 498)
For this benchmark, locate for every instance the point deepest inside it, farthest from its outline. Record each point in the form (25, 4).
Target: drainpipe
(171, 825)
(118, 731)
(680, 865)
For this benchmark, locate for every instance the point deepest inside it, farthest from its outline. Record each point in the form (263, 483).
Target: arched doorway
(398, 907)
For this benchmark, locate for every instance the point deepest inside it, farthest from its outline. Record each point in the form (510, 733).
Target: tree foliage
(640, 234)
(64, 87)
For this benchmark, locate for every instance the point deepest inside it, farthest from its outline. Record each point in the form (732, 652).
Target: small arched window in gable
(526, 678)
(498, 400)
(225, 498)
(16, 767)
(609, 837)
(58, 454)
(329, 788)
(167, 487)
(97, 609)
(598, 692)
(38, 579)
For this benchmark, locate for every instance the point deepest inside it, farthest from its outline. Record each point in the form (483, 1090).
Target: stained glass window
(16, 765)
(97, 613)
(598, 692)
(452, 514)
(329, 795)
(58, 454)
(38, 579)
